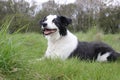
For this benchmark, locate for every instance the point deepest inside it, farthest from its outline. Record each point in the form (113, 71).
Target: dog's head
(53, 24)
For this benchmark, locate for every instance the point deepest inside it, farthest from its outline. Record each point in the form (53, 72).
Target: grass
(7, 49)
(31, 46)
(18, 54)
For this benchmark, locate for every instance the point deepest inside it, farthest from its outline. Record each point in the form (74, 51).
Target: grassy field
(19, 52)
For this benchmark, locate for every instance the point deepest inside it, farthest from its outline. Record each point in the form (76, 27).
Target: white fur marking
(103, 58)
(59, 48)
(49, 22)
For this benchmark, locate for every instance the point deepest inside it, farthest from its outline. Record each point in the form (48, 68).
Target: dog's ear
(42, 20)
(65, 21)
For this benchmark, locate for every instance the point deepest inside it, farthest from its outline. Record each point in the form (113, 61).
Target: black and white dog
(63, 44)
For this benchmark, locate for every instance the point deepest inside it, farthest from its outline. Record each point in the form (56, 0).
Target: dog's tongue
(49, 31)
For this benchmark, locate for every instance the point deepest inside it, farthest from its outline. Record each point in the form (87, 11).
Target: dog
(64, 45)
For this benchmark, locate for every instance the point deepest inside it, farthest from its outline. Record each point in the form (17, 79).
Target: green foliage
(22, 12)
(7, 49)
(109, 20)
(10, 60)
(19, 21)
(18, 24)
(85, 21)
(84, 15)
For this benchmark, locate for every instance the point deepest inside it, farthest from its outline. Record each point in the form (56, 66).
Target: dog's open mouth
(47, 31)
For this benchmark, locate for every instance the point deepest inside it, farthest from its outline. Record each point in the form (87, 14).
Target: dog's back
(94, 51)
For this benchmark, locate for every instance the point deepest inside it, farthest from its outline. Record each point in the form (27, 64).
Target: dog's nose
(44, 24)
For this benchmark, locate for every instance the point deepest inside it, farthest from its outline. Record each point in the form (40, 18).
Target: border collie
(63, 44)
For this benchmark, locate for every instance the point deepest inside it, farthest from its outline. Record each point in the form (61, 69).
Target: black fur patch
(61, 22)
(90, 51)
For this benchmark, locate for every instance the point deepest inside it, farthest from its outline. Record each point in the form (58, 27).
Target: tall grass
(8, 49)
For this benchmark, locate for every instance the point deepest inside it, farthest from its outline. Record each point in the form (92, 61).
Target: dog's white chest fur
(62, 47)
